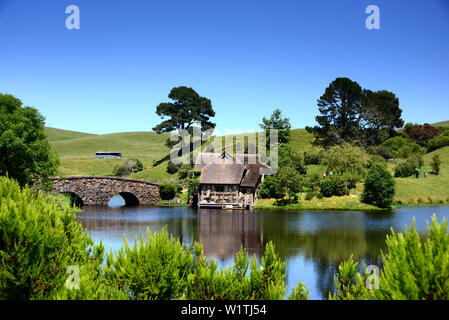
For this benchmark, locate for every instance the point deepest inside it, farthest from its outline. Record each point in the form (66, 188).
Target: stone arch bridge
(97, 191)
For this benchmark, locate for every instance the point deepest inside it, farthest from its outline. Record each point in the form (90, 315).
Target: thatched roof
(216, 168)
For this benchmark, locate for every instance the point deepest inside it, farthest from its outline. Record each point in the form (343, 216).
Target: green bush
(437, 143)
(407, 168)
(313, 157)
(39, 239)
(327, 188)
(194, 185)
(339, 185)
(401, 148)
(168, 191)
(154, 268)
(172, 168)
(436, 163)
(335, 186)
(414, 268)
(268, 189)
(266, 282)
(128, 167)
(379, 187)
(381, 150)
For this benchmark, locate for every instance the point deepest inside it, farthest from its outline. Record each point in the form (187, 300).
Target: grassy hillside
(442, 124)
(54, 134)
(77, 154)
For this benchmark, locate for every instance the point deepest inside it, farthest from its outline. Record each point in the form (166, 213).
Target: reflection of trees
(327, 244)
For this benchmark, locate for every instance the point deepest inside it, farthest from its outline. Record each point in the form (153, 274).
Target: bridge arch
(75, 200)
(130, 198)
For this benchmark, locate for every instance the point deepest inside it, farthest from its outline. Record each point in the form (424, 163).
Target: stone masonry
(97, 191)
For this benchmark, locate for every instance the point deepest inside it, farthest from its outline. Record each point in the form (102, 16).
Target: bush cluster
(401, 148)
(128, 167)
(436, 143)
(334, 186)
(313, 157)
(168, 191)
(407, 168)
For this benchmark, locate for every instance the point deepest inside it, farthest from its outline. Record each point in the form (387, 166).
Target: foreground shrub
(413, 268)
(379, 187)
(266, 282)
(39, 239)
(154, 268)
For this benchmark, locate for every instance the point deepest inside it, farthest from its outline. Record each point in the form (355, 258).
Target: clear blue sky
(247, 56)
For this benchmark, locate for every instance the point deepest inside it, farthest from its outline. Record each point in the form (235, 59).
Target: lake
(312, 243)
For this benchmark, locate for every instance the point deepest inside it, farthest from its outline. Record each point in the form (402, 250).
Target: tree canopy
(349, 113)
(277, 122)
(188, 107)
(25, 153)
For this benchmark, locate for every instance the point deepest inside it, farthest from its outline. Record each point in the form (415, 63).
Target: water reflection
(311, 243)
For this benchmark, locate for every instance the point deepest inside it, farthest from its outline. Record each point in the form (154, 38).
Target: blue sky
(247, 56)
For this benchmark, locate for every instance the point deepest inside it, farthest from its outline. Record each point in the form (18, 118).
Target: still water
(312, 243)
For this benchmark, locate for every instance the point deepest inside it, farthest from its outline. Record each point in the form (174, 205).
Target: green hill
(77, 150)
(54, 134)
(442, 124)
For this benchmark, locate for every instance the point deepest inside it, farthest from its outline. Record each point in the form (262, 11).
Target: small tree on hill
(436, 163)
(277, 122)
(379, 187)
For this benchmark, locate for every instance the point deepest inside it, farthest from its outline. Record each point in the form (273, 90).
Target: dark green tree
(380, 116)
(349, 113)
(25, 153)
(277, 122)
(188, 107)
(339, 109)
(379, 187)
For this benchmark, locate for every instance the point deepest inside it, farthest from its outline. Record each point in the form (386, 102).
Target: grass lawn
(351, 202)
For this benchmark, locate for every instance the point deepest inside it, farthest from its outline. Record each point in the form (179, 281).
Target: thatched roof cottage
(229, 181)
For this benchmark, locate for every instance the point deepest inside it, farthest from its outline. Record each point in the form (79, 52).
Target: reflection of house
(228, 181)
(222, 235)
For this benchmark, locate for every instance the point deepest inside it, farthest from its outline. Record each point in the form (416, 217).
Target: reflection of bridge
(97, 191)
